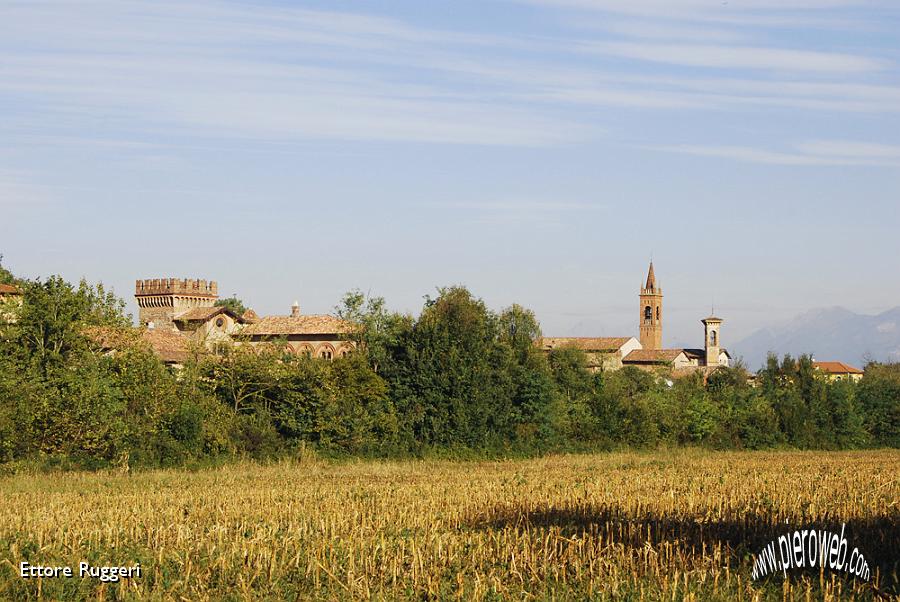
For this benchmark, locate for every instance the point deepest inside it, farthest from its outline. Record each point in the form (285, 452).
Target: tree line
(458, 379)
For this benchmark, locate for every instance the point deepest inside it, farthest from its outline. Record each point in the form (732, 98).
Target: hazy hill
(828, 334)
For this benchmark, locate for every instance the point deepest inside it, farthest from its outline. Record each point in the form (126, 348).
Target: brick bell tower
(651, 313)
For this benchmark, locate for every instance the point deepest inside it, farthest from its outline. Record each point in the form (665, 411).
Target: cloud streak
(225, 70)
(813, 153)
(741, 57)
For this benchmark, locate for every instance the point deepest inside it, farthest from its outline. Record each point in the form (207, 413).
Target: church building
(647, 351)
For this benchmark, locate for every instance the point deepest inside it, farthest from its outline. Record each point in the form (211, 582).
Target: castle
(646, 351)
(175, 313)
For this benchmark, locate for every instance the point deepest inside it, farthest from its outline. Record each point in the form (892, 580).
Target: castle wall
(159, 300)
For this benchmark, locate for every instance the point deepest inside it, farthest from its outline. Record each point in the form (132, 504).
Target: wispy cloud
(277, 74)
(701, 9)
(261, 73)
(812, 153)
(740, 57)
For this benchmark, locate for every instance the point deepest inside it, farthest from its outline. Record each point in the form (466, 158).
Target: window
(657, 313)
(220, 322)
(648, 313)
(712, 338)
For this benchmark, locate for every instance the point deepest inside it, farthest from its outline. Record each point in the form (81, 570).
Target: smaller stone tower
(159, 300)
(712, 325)
(651, 313)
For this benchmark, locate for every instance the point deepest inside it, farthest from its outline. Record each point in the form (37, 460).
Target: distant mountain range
(827, 334)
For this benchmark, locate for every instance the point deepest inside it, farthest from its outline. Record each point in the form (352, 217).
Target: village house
(10, 299)
(833, 371)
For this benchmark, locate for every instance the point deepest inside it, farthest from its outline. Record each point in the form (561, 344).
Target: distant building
(175, 312)
(9, 292)
(647, 352)
(321, 336)
(838, 371)
(10, 300)
(603, 353)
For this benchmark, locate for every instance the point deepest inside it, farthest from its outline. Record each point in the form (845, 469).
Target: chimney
(295, 309)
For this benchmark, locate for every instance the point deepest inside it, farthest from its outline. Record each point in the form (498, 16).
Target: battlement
(651, 291)
(176, 286)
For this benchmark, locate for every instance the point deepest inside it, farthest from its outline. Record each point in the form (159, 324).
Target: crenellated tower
(651, 313)
(159, 300)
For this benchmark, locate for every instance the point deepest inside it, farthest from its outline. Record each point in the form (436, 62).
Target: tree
(241, 376)
(878, 393)
(55, 318)
(6, 277)
(376, 331)
(233, 303)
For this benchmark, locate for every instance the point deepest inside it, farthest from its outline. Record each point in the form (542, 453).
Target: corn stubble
(680, 525)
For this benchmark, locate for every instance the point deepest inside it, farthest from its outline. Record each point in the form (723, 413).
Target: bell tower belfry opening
(651, 313)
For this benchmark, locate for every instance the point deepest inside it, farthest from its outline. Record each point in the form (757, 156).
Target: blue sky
(537, 151)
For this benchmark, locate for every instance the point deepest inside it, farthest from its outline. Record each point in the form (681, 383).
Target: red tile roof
(837, 368)
(286, 325)
(597, 344)
(9, 289)
(169, 345)
(202, 314)
(652, 356)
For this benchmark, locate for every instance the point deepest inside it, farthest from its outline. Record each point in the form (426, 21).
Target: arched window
(713, 338)
(657, 313)
(648, 313)
(325, 351)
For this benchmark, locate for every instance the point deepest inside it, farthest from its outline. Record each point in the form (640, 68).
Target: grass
(625, 526)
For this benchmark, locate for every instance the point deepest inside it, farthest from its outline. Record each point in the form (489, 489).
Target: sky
(539, 152)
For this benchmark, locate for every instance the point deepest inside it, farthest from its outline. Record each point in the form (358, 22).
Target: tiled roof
(652, 356)
(607, 344)
(250, 316)
(8, 289)
(202, 314)
(169, 345)
(701, 353)
(287, 325)
(837, 368)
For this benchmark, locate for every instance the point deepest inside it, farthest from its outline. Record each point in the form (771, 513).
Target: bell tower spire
(651, 312)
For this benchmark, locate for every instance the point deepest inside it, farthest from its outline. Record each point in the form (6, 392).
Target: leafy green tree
(878, 393)
(359, 416)
(6, 277)
(377, 332)
(233, 303)
(55, 318)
